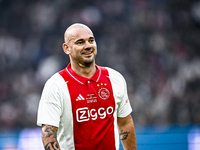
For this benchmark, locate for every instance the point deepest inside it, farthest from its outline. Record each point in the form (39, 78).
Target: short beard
(86, 64)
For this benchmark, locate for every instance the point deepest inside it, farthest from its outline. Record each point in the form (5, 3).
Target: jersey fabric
(85, 110)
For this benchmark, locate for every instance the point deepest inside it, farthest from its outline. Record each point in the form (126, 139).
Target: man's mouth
(87, 53)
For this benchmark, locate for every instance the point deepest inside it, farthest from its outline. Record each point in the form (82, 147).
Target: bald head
(81, 47)
(70, 29)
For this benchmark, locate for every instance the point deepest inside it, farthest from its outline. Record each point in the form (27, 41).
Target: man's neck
(84, 71)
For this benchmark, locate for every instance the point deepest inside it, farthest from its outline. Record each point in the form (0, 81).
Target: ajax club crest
(104, 93)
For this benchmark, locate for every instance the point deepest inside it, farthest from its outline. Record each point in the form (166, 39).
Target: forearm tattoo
(52, 146)
(124, 135)
(49, 137)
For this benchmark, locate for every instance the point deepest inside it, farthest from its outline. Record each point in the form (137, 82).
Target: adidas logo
(80, 97)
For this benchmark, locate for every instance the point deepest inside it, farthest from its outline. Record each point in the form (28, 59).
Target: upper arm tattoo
(49, 137)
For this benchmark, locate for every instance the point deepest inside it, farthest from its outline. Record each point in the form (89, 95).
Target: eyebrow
(84, 39)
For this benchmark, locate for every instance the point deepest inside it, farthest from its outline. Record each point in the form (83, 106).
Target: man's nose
(88, 45)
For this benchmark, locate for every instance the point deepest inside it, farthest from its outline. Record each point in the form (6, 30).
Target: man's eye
(91, 41)
(80, 42)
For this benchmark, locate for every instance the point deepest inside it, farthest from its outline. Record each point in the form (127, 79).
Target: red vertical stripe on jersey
(93, 106)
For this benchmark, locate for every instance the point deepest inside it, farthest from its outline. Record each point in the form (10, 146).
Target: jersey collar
(81, 79)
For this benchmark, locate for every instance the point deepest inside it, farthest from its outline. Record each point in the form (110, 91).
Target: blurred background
(154, 44)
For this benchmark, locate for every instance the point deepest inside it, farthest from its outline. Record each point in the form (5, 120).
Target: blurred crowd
(154, 44)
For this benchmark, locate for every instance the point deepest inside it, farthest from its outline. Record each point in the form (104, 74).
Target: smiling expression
(80, 45)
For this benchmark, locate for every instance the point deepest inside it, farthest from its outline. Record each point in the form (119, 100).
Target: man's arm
(127, 133)
(49, 137)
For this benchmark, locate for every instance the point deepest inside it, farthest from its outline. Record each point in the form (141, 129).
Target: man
(85, 106)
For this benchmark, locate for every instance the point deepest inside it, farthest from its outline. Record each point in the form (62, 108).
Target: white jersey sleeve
(49, 110)
(120, 93)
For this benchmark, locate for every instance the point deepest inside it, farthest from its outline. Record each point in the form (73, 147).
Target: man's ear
(66, 48)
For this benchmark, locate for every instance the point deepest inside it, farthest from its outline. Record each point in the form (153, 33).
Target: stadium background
(155, 44)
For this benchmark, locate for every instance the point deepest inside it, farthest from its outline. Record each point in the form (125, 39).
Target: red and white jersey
(85, 110)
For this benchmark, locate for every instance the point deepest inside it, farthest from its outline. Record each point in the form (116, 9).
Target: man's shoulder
(112, 73)
(55, 79)
(111, 70)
